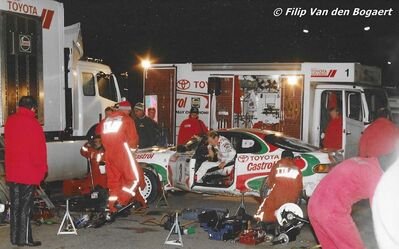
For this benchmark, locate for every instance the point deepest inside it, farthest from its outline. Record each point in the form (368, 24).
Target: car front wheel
(152, 188)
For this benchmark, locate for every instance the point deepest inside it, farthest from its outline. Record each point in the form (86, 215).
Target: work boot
(31, 243)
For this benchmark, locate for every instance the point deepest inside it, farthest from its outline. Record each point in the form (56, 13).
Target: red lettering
(21, 7)
(260, 166)
(200, 84)
(145, 156)
(181, 103)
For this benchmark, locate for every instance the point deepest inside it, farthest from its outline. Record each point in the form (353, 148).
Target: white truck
(393, 98)
(42, 58)
(290, 97)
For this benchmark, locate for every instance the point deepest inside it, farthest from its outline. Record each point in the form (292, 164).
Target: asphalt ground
(128, 232)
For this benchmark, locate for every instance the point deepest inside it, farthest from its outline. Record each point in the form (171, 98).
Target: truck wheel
(151, 190)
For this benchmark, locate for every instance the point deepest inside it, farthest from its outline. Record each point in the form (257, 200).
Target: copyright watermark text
(301, 12)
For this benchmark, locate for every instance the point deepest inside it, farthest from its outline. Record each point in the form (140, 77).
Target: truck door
(354, 125)
(328, 99)
(21, 61)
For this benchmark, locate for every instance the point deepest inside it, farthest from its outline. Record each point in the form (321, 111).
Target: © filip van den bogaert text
(366, 13)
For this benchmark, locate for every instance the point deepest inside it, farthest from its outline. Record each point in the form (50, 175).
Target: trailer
(42, 58)
(292, 98)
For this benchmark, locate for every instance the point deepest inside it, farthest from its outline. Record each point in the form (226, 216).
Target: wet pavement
(129, 233)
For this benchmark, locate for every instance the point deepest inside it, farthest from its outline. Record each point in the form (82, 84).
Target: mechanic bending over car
(285, 186)
(225, 157)
(125, 177)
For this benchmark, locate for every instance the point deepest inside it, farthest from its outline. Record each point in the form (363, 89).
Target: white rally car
(257, 152)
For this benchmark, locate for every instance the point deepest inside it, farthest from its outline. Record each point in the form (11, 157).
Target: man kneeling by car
(225, 154)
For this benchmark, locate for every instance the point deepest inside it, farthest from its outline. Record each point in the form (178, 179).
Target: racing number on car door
(182, 173)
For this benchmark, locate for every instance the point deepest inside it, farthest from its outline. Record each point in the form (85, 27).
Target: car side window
(88, 84)
(244, 143)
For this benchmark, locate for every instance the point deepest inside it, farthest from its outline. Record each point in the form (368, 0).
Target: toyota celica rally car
(257, 151)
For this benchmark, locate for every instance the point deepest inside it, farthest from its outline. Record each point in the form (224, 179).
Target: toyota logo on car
(243, 158)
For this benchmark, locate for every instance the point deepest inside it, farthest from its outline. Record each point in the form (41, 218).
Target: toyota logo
(183, 84)
(243, 158)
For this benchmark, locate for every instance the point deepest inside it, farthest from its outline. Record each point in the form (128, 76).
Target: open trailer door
(21, 61)
(159, 93)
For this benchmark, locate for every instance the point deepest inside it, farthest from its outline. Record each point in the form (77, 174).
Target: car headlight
(322, 168)
(336, 156)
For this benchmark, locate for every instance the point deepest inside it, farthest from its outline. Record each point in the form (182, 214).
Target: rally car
(257, 151)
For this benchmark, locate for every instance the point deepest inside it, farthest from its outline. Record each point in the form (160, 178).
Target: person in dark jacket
(147, 128)
(26, 167)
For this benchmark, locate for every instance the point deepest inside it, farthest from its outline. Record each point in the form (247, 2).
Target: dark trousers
(21, 196)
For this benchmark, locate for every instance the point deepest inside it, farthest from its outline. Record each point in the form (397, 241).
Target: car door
(354, 124)
(253, 163)
(181, 172)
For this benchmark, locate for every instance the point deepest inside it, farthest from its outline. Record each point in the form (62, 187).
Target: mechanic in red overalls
(94, 152)
(354, 179)
(192, 126)
(125, 176)
(284, 184)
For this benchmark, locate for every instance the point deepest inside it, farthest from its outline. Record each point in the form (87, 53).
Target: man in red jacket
(26, 167)
(333, 133)
(190, 127)
(125, 177)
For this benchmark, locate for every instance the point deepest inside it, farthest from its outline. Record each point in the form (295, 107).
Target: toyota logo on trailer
(183, 84)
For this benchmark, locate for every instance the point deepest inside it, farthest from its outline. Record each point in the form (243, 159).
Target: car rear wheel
(152, 188)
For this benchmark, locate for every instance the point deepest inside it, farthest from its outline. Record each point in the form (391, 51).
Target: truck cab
(359, 105)
(42, 58)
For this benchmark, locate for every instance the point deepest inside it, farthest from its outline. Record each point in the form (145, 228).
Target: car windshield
(289, 143)
(193, 143)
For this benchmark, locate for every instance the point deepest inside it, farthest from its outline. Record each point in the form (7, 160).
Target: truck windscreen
(377, 103)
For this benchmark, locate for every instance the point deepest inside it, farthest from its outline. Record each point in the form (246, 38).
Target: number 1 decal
(347, 72)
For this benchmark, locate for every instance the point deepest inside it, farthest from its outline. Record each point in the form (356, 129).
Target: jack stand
(241, 206)
(69, 223)
(42, 195)
(162, 198)
(176, 229)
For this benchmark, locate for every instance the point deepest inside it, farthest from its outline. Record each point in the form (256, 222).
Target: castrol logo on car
(253, 163)
(145, 156)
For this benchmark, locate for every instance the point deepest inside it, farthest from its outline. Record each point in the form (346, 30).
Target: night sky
(217, 31)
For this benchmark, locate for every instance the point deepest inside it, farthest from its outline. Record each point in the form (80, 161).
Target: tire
(152, 188)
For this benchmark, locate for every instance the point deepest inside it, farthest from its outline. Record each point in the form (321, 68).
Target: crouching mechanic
(285, 186)
(94, 152)
(225, 154)
(125, 177)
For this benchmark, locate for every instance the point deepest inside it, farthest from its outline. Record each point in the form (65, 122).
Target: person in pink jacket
(330, 206)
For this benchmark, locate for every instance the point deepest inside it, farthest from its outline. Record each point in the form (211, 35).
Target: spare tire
(153, 186)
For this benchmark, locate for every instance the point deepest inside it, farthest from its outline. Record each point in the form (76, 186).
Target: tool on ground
(68, 222)
(176, 230)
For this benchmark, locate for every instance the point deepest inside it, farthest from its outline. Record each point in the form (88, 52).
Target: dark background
(215, 31)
